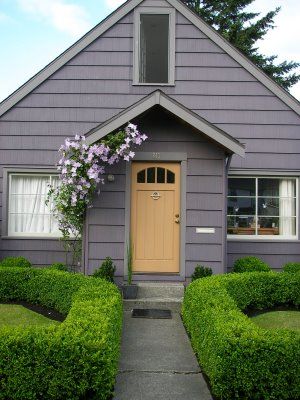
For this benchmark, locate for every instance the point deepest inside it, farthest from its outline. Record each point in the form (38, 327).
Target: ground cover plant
(241, 359)
(75, 359)
(17, 315)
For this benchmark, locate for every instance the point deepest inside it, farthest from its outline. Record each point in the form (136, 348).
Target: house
(216, 180)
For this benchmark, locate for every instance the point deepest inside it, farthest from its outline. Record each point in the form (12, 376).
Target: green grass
(15, 315)
(278, 319)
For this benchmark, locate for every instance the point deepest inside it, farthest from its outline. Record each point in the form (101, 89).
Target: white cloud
(66, 17)
(113, 4)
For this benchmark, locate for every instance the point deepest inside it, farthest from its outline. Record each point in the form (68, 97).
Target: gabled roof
(180, 111)
(112, 19)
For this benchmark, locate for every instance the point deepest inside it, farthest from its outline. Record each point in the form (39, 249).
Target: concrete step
(154, 302)
(162, 290)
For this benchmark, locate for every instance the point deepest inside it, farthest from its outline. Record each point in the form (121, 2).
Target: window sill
(24, 237)
(152, 84)
(252, 238)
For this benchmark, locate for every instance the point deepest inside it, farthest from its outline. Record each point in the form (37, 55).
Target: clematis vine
(81, 171)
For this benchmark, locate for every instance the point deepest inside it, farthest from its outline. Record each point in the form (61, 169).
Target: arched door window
(155, 175)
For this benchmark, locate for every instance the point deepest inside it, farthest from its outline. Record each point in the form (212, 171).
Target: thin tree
(243, 29)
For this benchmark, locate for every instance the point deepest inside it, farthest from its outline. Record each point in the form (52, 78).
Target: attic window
(154, 47)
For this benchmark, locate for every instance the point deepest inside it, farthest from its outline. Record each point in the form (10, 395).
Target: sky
(34, 32)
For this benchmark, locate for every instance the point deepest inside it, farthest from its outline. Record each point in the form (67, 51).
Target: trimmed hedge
(250, 264)
(242, 360)
(73, 360)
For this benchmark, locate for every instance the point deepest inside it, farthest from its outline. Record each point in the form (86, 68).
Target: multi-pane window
(155, 175)
(262, 206)
(28, 214)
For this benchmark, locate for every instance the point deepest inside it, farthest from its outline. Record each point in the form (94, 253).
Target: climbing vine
(81, 171)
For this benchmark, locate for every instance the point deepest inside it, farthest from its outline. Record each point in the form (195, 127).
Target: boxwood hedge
(74, 360)
(242, 360)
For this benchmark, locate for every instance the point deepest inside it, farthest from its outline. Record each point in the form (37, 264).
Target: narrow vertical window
(154, 46)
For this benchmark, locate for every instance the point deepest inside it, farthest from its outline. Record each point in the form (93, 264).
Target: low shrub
(291, 267)
(250, 264)
(106, 270)
(242, 360)
(201, 272)
(73, 360)
(59, 267)
(20, 262)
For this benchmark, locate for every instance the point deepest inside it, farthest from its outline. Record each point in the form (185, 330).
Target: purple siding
(97, 84)
(204, 198)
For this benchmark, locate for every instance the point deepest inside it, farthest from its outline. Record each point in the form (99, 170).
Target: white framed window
(262, 207)
(154, 46)
(28, 214)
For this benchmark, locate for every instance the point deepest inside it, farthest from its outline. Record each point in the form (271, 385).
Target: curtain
(287, 207)
(28, 212)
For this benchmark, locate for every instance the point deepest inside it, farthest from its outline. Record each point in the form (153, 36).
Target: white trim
(159, 98)
(257, 237)
(112, 19)
(136, 44)
(29, 234)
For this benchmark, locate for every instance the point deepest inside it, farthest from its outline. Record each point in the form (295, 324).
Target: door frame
(159, 157)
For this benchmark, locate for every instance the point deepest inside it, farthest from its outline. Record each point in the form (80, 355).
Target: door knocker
(155, 195)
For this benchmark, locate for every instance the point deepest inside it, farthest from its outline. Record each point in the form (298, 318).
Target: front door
(155, 219)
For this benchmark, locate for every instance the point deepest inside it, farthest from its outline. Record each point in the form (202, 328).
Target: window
(28, 215)
(262, 207)
(155, 175)
(154, 46)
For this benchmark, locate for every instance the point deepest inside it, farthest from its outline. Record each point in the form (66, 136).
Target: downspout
(227, 166)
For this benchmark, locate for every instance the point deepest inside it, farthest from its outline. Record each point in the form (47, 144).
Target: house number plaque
(155, 195)
(156, 156)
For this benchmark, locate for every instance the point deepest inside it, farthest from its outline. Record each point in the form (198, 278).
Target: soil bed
(46, 312)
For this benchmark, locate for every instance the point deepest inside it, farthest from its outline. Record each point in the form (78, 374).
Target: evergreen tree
(243, 29)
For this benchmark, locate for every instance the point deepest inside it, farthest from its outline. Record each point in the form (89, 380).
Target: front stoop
(157, 295)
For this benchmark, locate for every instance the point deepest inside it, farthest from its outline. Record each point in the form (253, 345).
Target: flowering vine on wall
(82, 168)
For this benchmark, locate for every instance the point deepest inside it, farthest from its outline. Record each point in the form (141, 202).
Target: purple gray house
(216, 180)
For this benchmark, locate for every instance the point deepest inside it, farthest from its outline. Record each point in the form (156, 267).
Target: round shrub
(291, 267)
(20, 262)
(77, 359)
(201, 272)
(250, 264)
(106, 270)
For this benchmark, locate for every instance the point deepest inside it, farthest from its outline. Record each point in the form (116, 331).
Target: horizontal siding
(97, 84)
(118, 86)
(108, 211)
(276, 254)
(94, 100)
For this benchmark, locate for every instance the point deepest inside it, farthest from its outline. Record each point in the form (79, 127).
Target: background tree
(243, 29)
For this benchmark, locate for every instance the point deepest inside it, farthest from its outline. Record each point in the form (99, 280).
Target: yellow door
(155, 219)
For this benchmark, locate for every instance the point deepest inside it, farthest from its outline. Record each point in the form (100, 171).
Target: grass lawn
(278, 319)
(15, 315)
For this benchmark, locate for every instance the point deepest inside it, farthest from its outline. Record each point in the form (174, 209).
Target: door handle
(177, 219)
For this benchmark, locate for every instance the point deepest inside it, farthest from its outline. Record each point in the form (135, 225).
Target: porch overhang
(159, 98)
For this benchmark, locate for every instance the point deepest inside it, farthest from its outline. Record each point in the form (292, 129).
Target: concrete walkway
(157, 362)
